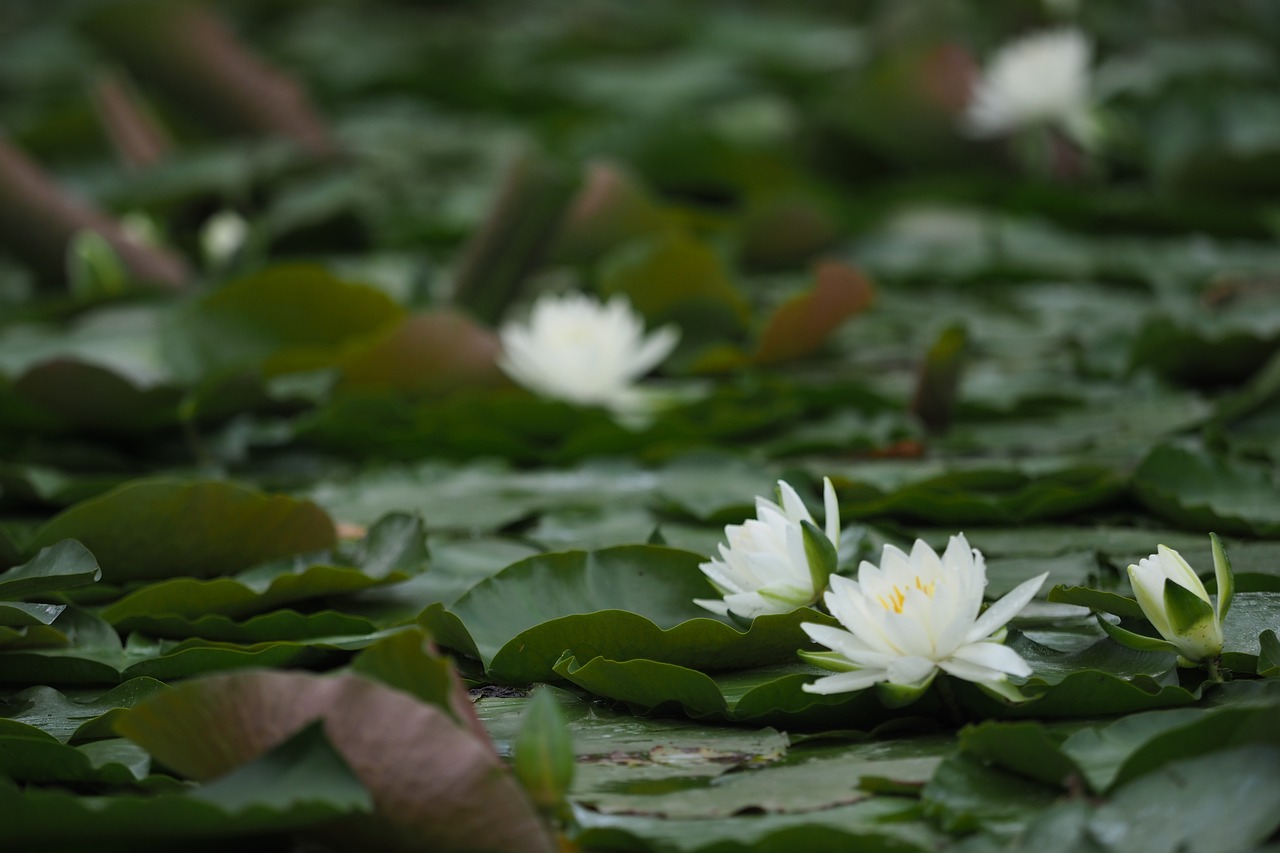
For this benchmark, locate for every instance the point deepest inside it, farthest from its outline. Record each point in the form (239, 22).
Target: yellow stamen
(898, 597)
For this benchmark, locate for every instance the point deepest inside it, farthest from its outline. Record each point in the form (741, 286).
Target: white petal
(848, 645)
(909, 670)
(1005, 609)
(831, 508)
(1182, 574)
(1148, 587)
(971, 671)
(993, 656)
(715, 605)
(651, 353)
(791, 503)
(845, 682)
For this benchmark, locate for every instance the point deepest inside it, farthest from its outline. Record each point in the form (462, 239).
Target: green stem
(948, 694)
(1214, 665)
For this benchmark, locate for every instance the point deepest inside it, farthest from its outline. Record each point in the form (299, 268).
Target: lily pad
(76, 715)
(158, 528)
(429, 777)
(63, 565)
(302, 783)
(392, 551)
(254, 322)
(1209, 493)
(631, 601)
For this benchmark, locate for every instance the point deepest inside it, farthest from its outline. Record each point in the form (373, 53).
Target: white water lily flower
(576, 349)
(914, 615)
(222, 236)
(1176, 603)
(777, 561)
(1040, 79)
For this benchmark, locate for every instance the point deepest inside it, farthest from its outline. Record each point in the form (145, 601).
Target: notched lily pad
(633, 601)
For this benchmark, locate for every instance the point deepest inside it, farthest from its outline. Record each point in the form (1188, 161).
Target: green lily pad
(30, 756)
(1105, 678)
(1204, 492)
(255, 322)
(976, 496)
(76, 715)
(393, 551)
(625, 602)
(879, 825)
(302, 783)
(95, 654)
(1160, 811)
(151, 529)
(63, 565)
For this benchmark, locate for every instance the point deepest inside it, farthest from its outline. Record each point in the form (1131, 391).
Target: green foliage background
(283, 475)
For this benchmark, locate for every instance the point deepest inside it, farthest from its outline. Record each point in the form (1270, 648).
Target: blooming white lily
(576, 349)
(777, 561)
(1176, 603)
(914, 615)
(1040, 79)
(222, 236)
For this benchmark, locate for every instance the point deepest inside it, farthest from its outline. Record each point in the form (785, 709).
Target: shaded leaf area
(300, 783)
(94, 653)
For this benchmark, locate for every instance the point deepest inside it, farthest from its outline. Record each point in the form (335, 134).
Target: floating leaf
(158, 528)
(63, 565)
(427, 353)
(255, 322)
(625, 602)
(76, 715)
(1207, 493)
(432, 781)
(320, 787)
(800, 326)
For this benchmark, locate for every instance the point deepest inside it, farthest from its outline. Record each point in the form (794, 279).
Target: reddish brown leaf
(427, 353)
(435, 785)
(803, 323)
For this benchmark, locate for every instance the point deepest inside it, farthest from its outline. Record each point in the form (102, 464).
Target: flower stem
(1216, 673)
(948, 694)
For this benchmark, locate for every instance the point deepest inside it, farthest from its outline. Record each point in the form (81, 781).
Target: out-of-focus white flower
(1040, 79)
(777, 561)
(1176, 603)
(575, 348)
(914, 615)
(222, 236)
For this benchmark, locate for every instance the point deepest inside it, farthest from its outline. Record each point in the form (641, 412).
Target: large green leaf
(626, 602)
(63, 565)
(1161, 811)
(32, 757)
(159, 528)
(256, 322)
(393, 550)
(76, 715)
(1207, 492)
